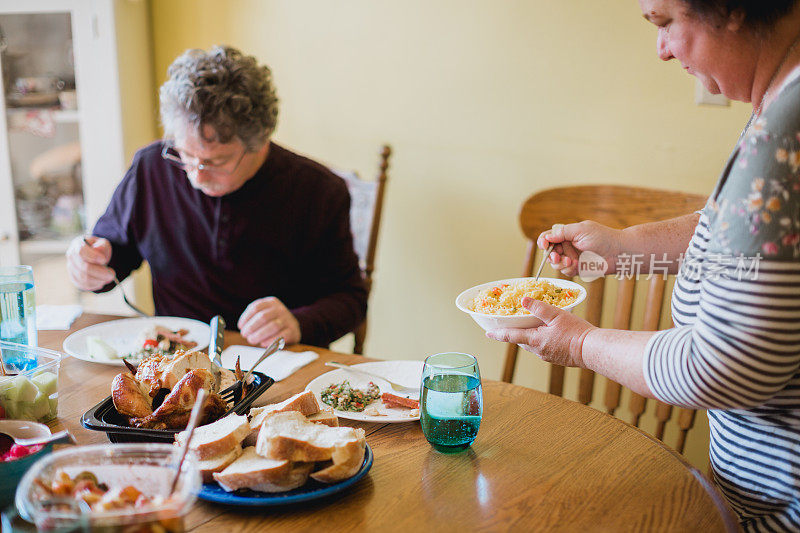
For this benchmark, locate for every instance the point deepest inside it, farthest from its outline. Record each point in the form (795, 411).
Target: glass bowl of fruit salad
(28, 382)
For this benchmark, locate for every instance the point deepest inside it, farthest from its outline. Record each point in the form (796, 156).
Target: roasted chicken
(177, 406)
(130, 396)
(164, 372)
(183, 375)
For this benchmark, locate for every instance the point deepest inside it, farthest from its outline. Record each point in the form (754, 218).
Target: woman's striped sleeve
(743, 347)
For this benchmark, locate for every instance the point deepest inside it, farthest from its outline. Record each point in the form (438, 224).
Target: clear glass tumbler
(18, 308)
(451, 403)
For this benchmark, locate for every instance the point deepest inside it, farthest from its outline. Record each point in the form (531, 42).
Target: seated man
(230, 222)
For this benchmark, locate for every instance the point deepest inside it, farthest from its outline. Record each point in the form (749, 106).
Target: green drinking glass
(451, 401)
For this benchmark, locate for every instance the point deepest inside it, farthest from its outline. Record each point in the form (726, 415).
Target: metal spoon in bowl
(27, 433)
(547, 253)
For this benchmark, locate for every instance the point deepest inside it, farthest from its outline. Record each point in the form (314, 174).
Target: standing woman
(735, 347)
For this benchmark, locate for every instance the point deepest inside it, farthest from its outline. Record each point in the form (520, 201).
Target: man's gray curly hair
(221, 88)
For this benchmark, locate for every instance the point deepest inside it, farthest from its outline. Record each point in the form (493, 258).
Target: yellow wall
(484, 103)
(139, 109)
(135, 59)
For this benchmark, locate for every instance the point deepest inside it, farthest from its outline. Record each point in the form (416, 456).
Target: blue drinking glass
(451, 403)
(18, 313)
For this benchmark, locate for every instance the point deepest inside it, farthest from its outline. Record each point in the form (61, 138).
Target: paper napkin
(56, 316)
(278, 366)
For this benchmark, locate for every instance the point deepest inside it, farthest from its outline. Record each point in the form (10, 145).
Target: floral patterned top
(756, 206)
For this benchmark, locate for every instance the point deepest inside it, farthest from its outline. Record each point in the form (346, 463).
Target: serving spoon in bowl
(27, 433)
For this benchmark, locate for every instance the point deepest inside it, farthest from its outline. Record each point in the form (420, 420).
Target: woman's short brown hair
(221, 88)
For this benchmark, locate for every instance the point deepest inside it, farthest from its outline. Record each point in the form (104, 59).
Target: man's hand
(572, 239)
(266, 319)
(86, 263)
(559, 340)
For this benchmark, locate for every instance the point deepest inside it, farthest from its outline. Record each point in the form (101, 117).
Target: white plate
(407, 373)
(123, 334)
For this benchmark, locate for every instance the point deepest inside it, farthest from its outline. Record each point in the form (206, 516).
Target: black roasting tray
(104, 417)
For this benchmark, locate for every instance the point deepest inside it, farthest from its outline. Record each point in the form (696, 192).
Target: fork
(230, 394)
(395, 386)
(137, 310)
(117, 284)
(547, 253)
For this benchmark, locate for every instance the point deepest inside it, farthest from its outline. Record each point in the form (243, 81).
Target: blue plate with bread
(312, 490)
(278, 454)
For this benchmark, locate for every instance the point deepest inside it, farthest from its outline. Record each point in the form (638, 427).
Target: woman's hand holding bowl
(559, 340)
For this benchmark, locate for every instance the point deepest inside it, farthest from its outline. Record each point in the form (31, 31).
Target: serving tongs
(238, 390)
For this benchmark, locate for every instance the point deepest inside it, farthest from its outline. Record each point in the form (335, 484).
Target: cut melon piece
(40, 408)
(47, 382)
(6, 382)
(21, 390)
(20, 411)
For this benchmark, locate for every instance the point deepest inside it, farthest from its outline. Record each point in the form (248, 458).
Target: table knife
(215, 344)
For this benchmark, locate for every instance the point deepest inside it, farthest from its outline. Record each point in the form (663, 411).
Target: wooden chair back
(366, 207)
(618, 207)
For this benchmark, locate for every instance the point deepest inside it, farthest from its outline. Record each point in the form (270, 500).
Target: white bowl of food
(498, 304)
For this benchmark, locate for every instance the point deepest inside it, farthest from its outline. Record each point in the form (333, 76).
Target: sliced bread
(305, 403)
(347, 459)
(325, 416)
(290, 436)
(218, 463)
(251, 471)
(297, 477)
(217, 438)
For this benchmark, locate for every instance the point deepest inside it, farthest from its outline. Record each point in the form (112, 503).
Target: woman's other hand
(266, 319)
(559, 340)
(87, 258)
(572, 239)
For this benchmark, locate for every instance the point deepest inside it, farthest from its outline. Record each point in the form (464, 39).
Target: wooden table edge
(728, 516)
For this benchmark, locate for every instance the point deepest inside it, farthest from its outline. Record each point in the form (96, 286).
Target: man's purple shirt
(284, 233)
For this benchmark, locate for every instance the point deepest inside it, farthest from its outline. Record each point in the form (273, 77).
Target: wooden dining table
(539, 463)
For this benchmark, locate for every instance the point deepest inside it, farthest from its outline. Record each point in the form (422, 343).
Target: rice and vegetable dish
(506, 299)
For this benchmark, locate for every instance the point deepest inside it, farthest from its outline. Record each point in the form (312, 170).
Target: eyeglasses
(185, 163)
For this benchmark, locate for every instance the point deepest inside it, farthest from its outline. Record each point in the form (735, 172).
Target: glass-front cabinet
(43, 129)
(66, 67)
